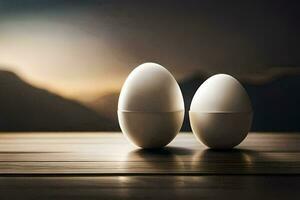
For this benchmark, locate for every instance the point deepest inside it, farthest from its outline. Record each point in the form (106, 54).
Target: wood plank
(151, 187)
(109, 153)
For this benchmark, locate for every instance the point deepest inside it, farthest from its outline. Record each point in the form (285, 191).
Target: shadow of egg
(232, 161)
(166, 160)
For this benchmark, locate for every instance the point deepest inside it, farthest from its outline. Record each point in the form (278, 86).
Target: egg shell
(150, 88)
(150, 107)
(221, 112)
(221, 93)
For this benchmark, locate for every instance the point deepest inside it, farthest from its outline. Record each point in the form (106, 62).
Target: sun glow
(57, 57)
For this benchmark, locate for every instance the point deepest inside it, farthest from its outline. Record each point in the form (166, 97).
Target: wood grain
(151, 187)
(105, 166)
(110, 153)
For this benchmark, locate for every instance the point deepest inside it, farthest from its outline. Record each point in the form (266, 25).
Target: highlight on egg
(221, 112)
(150, 106)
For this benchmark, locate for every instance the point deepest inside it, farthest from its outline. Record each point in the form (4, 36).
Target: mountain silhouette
(27, 108)
(276, 104)
(188, 88)
(275, 101)
(107, 105)
(23, 107)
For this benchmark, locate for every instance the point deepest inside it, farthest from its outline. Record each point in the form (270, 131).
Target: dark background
(63, 62)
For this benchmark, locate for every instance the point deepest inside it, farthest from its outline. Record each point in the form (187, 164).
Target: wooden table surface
(104, 165)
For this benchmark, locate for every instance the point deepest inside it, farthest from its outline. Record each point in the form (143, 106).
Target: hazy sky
(82, 49)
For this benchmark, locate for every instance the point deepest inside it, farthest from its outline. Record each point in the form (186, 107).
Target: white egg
(150, 107)
(221, 112)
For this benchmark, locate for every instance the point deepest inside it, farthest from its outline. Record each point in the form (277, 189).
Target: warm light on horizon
(59, 58)
(83, 53)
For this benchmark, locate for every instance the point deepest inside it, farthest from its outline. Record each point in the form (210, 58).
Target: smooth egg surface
(150, 107)
(221, 112)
